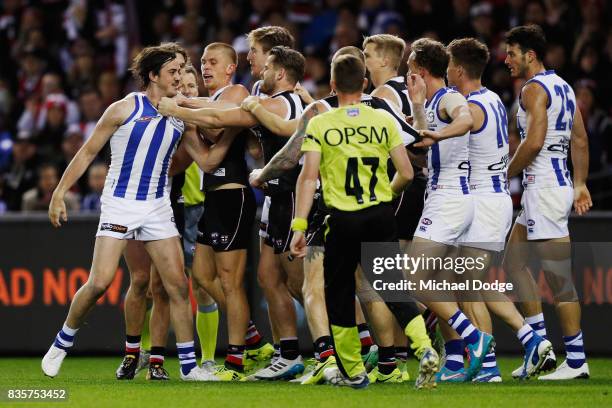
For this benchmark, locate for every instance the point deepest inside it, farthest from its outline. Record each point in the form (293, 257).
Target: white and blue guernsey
(549, 168)
(140, 153)
(488, 146)
(447, 160)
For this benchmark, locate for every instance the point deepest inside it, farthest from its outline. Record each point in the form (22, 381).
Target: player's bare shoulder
(533, 94)
(118, 112)
(384, 92)
(234, 93)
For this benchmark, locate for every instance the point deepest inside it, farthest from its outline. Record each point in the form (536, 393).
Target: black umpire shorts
(346, 230)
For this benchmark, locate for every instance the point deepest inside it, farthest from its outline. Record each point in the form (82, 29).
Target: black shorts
(177, 203)
(346, 231)
(408, 208)
(178, 211)
(315, 235)
(282, 211)
(227, 222)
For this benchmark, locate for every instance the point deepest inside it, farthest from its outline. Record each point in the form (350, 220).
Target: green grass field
(90, 382)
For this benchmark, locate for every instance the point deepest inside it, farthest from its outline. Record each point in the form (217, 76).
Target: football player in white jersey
(549, 124)
(135, 204)
(488, 156)
(448, 205)
(144, 277)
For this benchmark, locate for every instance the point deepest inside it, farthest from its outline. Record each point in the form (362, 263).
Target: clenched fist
(167, 106)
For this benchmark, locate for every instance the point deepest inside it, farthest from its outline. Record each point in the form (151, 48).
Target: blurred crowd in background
(63, 62)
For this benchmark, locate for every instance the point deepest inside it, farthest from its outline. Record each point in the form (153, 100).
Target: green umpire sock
(417, 333)
(348, 349)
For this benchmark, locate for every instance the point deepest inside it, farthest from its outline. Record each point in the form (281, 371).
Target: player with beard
(283, 68)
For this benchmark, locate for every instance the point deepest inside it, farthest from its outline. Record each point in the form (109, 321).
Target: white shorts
(140, 220)
(491, 222)
(265, 215)
(446, 216)
(545, 212)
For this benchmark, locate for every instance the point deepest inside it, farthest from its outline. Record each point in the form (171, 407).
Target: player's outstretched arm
(112, 118)
(304, 191)
(203, 102)
(580, 162)
(207, 117)
(535, 101)
(270, 120)
(454, 106)
(289, 156)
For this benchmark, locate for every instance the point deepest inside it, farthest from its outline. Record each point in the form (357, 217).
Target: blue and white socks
(454, 355)
(574, 345)
(464, 328)
(537, 324)
(489, 362)
(65, 338)
(574, 349)
(526, 335)
(187, 356)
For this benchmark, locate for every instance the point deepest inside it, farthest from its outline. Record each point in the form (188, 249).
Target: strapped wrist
(299, 224)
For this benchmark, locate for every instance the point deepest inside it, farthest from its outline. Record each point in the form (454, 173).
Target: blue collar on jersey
(436, 96)
(549, 72)
(478, 92)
